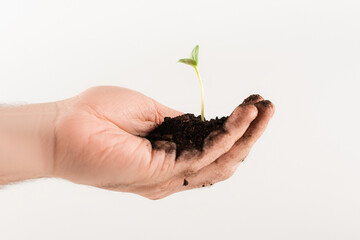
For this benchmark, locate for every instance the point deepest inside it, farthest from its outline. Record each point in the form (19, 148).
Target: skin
(95, 138)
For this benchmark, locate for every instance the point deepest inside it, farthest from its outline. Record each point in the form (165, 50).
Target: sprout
(193, 61)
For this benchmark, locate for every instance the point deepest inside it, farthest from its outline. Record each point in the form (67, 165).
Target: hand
(99, 143)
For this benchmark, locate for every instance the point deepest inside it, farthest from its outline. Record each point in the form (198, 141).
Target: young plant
(193, 61)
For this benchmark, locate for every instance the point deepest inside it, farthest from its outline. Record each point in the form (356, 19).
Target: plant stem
(202, 94)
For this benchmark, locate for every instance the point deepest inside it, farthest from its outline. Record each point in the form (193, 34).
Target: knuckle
(250, 111)
(241, 116)
(221, 138)
(214, 137)
(95, 89)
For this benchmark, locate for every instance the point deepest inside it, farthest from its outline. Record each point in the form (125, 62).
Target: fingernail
(251, 98)
(264, 103)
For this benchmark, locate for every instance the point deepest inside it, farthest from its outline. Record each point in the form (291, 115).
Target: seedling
(187, 131)
(193, 61)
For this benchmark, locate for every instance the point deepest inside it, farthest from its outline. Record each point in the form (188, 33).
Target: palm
(99, 138)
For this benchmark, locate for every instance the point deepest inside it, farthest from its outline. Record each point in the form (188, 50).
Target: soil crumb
(186, 131)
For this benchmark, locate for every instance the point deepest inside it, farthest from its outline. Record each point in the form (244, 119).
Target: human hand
(98, 142)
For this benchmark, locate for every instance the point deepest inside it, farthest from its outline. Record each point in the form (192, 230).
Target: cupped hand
(100, 142)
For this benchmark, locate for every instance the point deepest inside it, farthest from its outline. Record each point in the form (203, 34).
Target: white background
(301, 180)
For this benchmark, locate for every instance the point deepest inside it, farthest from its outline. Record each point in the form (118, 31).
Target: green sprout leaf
(188, 61)
(195, 54)
(193, 61)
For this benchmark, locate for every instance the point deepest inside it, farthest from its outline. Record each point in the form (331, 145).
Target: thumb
(153, 117)
(164, 111)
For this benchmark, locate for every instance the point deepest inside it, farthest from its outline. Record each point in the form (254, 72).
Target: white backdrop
(301, 180)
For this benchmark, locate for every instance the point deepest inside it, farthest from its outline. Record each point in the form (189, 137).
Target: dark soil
(186, 131)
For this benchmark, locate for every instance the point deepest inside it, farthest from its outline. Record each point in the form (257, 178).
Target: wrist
(27, 141)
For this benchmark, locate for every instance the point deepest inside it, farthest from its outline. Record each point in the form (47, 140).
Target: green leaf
(195, 54)
(188, 61)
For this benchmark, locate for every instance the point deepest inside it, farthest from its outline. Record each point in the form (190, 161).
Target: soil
(186, 131)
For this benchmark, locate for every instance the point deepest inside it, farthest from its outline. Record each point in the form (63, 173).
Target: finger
(207, 176)
(225, 166)
(242, 147)
(252, 99)
(164, 111)
(238, 152)
(218, 142)
(162, 163)
(152, 169)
